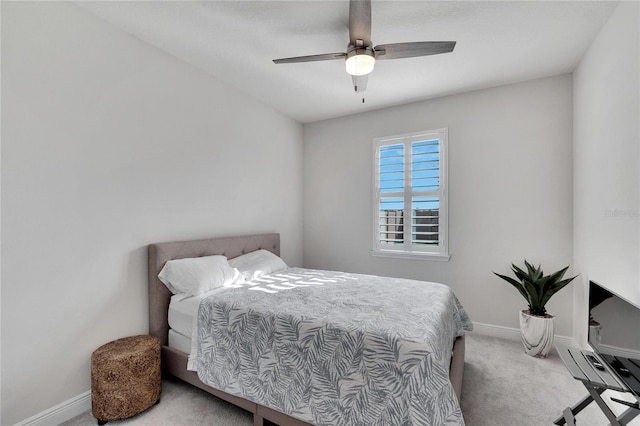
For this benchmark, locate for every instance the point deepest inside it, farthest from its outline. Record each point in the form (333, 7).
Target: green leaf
(556, 288)
(556, 276)
(533, 272)
(516, 284)
(533, 293)
(522, 276)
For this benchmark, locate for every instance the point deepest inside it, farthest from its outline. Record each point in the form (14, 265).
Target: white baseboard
(60, 413)
(510, 333)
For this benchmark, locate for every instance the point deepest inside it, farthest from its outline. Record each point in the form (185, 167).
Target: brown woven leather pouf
(125, 377)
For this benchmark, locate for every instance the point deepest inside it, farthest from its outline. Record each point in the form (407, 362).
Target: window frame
(408, 250)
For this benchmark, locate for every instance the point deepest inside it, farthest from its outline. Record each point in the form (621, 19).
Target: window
(410, 188)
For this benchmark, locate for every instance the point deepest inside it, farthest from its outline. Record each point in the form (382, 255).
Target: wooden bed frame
(174, 362)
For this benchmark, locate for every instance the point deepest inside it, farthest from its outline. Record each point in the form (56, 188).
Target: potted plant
(536, 325)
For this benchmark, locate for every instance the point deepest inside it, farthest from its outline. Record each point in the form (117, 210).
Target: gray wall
(510, 190)
(109, 145)
(607, 162)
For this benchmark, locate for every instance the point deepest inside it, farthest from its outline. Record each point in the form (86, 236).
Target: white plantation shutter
(410, 194)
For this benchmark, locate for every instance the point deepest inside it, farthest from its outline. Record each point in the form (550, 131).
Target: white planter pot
(537, 334)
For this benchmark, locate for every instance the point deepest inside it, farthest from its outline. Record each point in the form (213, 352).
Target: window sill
(411, 255)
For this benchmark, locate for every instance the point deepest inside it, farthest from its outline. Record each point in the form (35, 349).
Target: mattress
(332, 348)
(182, 314)
(179, 341)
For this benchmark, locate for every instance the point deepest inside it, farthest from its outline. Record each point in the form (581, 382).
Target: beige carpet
(502, 387)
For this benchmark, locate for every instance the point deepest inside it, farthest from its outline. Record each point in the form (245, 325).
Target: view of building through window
(409, 192)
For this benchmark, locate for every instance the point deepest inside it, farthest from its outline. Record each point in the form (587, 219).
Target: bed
(175, 359)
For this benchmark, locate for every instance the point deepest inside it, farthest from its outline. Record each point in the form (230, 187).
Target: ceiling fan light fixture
(360, 61)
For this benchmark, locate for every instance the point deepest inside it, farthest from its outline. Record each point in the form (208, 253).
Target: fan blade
(311, 58)
(413, 49)
(360, 82)
(360, 22)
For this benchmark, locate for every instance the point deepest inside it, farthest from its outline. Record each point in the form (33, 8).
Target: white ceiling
(498, 42)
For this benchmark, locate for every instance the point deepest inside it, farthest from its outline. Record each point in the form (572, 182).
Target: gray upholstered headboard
(159, 254)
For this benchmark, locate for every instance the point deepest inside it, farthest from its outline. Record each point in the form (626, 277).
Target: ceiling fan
(361, 56)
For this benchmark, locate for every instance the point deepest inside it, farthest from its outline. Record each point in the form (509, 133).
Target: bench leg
(568, 417)
(595, 392)
(574, 410)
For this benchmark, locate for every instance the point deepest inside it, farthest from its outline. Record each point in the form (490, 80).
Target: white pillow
(257, 263)
(197, 275)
